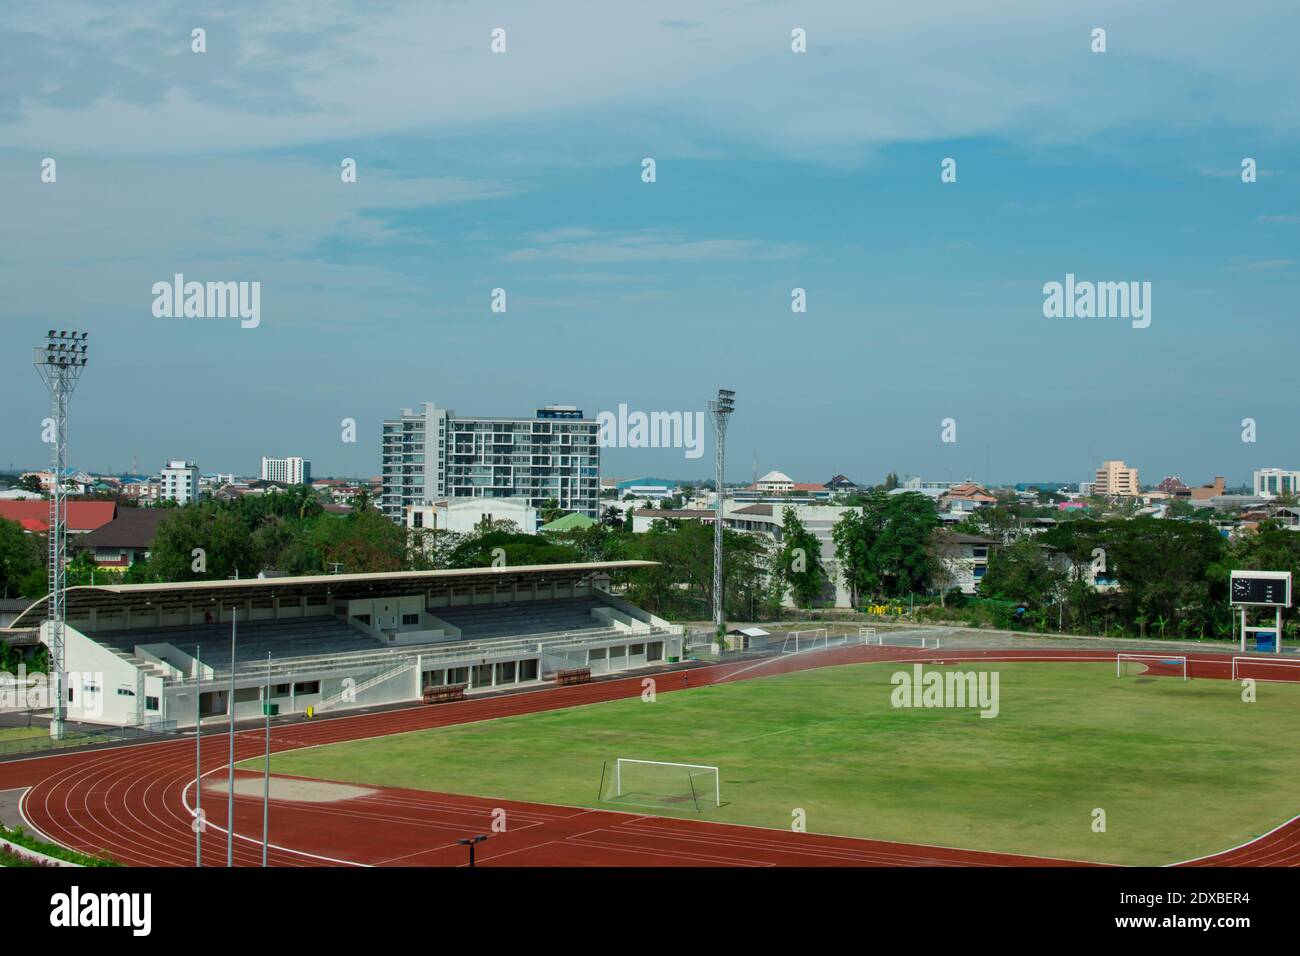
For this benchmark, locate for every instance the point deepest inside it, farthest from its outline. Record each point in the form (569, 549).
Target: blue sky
(775, 170)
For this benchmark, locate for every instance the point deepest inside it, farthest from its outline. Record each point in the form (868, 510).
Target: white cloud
(648, 245)
(298, 73)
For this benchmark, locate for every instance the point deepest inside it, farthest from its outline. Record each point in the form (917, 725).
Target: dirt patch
(295, 791)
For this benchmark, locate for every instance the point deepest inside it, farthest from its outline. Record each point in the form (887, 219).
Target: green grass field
(1181, 769)
(19, 733)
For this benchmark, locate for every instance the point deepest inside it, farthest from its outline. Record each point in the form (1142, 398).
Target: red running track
(134, 802)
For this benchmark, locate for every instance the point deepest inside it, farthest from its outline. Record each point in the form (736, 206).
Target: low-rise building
(1274, 482)
(643, 518)
(463, 515)
(125, 540)
(653, 488)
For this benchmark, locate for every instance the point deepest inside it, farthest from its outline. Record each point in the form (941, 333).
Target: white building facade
(431, 454)
(1272, 482)
(464, 515)
(289, 471)
(179, 482)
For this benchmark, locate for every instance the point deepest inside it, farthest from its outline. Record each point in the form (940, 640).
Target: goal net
(1151, 665)
(657, 783)
(1266, 669)
(799, 641)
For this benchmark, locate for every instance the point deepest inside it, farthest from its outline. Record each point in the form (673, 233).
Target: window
(307, 687)
(124, 692)
(280, 690)
(363, 618)
(409, 620)
(151, 703)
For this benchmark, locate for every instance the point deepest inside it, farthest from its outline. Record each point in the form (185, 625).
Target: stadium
(386, 719)
(141, 654)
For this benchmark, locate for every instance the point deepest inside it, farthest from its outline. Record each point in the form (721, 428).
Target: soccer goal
(1124, 663)
(868, 635)
(1266, 669)
(799, 641)
(658, 783)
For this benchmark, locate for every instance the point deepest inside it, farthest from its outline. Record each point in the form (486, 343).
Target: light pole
(720, 410)
(230, 773)
(198, 757)
(266, 770)
(471, 842)
(59, 362)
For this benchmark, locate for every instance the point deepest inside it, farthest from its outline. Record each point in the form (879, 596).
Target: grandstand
(137, 654)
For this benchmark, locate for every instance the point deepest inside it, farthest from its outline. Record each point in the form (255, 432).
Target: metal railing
(86, 738)
(432, 655)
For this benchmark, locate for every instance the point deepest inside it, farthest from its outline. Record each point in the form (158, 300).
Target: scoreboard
(1261, 587)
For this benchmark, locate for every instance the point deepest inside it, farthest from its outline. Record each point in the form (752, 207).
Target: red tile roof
(82, 515)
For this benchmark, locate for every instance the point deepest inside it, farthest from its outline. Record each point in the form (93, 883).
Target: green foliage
(682, 585)
(798, 563)
(884, 547)
(21, 837)
(1021, 573)
(479, 550)
(22, 561)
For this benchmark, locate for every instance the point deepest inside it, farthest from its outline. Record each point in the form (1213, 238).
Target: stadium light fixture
(720, 409)
(60, 372)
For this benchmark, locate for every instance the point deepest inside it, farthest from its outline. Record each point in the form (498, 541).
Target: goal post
(1279, 669)
(1173, 660)
(662, 783)
(798, 641)
(868, 635)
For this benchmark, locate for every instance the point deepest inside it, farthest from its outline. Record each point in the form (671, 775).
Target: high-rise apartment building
(291, 471)
(1115, 478)
(431, 454)
(180, 482)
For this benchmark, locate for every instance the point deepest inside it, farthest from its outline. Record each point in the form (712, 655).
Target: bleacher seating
(523, 618)
(299, 637)
(326, 642)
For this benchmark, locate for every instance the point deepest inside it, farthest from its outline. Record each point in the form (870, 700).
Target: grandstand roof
(81, 600)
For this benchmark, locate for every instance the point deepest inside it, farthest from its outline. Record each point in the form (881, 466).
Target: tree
(482, 549)
(1022, 573)
(30, 482)
(901, 552)
(798, 564)
(21, 556)
(362, 542)
(681, 583)
(1167, 569)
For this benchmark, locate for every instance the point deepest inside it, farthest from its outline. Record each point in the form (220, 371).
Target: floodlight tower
(59, 362)
(720, 410)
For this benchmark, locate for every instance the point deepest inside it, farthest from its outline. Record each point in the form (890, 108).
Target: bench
(575, 675)
(441, 694)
